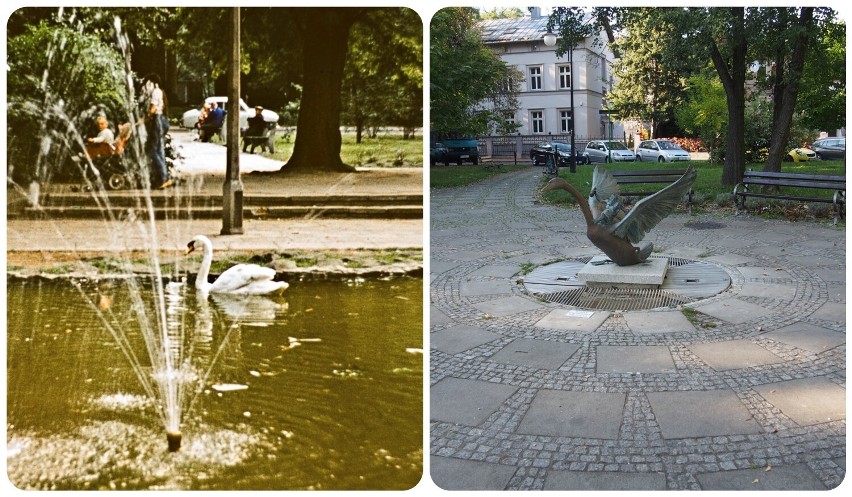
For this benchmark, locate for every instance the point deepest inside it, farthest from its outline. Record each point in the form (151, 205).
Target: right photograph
(637, 248)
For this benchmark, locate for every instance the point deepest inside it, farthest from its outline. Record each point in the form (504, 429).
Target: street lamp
(550, 41)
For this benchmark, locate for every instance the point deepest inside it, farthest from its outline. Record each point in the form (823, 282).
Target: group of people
(104, 144)
(210, 121)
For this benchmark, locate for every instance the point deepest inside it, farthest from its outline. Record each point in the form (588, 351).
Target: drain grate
(687, 280)
(616, 299)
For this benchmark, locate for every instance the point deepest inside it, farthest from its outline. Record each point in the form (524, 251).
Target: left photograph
(214, 248)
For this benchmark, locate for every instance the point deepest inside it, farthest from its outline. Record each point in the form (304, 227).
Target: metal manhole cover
(686, 281)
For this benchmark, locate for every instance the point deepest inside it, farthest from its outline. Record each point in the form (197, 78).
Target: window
(535, 78)
(509, 118)
(537, 121)
(564, 77)
(566, 121)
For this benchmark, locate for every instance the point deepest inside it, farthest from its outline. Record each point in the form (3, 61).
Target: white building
(545, 96)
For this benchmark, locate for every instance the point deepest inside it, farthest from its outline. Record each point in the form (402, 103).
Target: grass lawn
(454, 175)
(386, 150)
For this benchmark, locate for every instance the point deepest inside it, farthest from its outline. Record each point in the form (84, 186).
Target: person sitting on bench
(254, 135)
(213, 123)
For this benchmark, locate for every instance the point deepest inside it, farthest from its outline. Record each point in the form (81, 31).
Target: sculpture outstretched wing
(651, 210)
(603, 186)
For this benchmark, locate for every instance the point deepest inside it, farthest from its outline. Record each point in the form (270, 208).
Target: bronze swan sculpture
(614, 229)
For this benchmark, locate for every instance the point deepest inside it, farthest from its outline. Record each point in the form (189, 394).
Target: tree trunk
(787, 105)
(325, 40)
(733, 80)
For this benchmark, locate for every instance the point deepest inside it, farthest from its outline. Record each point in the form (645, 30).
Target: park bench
(489, 161)
(806, 188)
(649, 177)
(266, 140)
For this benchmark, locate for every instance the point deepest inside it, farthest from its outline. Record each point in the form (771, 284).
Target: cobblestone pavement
(746, 390)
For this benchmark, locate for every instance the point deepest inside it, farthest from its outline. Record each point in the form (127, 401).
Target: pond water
(321, 388)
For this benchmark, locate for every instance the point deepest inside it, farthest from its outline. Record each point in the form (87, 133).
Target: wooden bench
(489, 161)
(780, 182)
(643, 177)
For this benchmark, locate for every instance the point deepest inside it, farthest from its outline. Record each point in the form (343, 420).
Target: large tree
(472, 90)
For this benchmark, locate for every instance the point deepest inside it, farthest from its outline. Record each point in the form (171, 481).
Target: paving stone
(701, 414)
(459, 474)
(807, 401)
(507, 306)
(573, 320)
(466, 402)
(438, 318)
(540, 354)
(634, 359)
(734, 354)
(460, 338)
(808, 337)
(439, 267)
(574, 414)
(475, 288)
(831, 311)
(750, 272)
(794, 477)
(464, 255)
(577, 480)
(730, 259)
(831, 275)
(683, 252)
(658, 322)
(497, 271)
(767, 290)
(733, 310)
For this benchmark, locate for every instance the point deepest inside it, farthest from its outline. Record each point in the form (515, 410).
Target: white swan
(242, 279)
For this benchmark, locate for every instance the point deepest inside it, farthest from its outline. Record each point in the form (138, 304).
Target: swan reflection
(253, 310)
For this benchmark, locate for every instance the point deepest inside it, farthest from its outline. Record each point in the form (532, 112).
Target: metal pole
(232, 190)
(573, 157)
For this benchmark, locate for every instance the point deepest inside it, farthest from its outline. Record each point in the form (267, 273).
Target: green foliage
(455, 176)
(646, 88)
(822, 94)
(59, 80)
(472, 89)
(501, 13)
(704, 112)
(383, 83)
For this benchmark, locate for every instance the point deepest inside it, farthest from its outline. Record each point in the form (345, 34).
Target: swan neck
(201, 282)
(582, 201)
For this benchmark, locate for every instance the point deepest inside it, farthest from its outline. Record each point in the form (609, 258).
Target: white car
(608, 151)
(190, 117)
(661, 151)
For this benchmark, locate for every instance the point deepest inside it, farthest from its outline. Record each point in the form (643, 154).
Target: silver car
(661, 151)
(608, 151)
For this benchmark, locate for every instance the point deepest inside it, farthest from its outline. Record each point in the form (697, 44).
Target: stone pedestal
(649, 274)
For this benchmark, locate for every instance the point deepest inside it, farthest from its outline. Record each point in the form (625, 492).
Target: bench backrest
(819, 181)
(648, 176)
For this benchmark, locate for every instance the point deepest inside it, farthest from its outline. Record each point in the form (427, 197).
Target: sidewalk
(376, 208)
(748, 392)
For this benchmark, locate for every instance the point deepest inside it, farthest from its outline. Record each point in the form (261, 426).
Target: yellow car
(800, 155)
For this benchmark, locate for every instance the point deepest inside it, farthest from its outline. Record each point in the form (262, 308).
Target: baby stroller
(108, 161)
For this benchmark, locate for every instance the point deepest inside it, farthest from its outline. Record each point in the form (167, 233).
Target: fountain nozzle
(174, 439)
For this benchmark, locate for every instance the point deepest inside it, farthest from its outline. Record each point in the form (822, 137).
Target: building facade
(545, 96)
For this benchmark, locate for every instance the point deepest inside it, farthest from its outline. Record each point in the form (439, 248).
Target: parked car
(802, 154)
(661, 151)
(462, 150)
(830, 148)
(437, 153)
(190, 117)
(540, 152)
(609, 151)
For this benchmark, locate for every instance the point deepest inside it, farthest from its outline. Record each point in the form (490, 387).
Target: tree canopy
(472, 90)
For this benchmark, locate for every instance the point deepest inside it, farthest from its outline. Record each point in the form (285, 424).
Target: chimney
(535, 12)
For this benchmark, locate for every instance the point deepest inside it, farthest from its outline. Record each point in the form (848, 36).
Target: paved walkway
(530, 395)
(194, 207)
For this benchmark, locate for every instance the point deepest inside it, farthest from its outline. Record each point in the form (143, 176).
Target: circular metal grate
(686, 281)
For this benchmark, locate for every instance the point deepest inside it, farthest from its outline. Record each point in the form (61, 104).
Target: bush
(59, 80)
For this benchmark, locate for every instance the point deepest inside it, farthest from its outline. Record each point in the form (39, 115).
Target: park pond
(320, 388)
